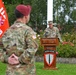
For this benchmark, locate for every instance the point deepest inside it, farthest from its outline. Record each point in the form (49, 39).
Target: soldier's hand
(13, 60)
(64, 43)
(70, 43)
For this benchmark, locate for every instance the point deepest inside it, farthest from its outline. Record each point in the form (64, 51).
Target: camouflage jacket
(20, 39)
(52, 33)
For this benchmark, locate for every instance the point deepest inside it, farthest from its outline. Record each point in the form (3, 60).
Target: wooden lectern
(49, 45)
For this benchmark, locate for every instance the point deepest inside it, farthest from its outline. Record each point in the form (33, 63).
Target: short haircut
(18, 14)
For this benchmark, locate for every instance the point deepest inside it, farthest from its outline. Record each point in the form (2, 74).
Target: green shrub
(66, 50)
(40, 48)
(69, 37)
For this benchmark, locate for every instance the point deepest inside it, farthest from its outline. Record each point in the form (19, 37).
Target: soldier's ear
(26, 17)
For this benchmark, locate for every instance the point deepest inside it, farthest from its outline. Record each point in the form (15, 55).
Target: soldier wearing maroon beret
(20, 44)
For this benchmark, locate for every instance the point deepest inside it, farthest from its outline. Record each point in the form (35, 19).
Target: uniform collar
(19, 23)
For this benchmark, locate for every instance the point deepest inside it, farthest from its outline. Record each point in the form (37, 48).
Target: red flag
(4, 24)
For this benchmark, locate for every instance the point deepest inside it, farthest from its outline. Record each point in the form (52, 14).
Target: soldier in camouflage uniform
(52, 32)
(20, 45)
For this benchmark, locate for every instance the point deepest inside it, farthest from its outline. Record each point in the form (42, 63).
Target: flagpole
(49, 11)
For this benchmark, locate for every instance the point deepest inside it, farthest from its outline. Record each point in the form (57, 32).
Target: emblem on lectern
(49, 58)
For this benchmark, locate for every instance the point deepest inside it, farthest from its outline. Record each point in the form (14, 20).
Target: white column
(49, 11)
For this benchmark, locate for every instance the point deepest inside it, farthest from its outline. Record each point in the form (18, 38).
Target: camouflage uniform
(1, 50)
(52, 33)
(20, 40)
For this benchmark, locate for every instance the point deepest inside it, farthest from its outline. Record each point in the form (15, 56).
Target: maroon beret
(24, 9)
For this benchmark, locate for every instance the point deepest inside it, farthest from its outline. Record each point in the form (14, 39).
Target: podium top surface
(49, 41)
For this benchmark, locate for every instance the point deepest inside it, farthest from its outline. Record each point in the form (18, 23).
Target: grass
(63, 69)
(2, 68)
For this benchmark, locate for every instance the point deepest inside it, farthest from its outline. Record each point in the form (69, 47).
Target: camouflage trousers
(20, 70)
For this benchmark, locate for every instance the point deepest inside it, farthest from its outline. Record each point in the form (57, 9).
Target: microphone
(46, 34)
